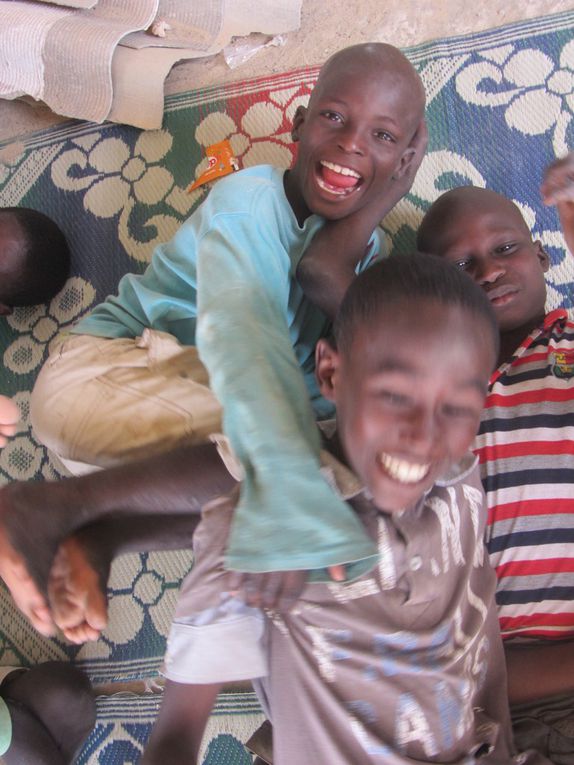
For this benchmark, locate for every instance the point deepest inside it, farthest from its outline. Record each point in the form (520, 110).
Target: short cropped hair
(45, 259)
(408, 278)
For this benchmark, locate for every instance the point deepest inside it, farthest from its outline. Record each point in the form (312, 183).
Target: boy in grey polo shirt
(405, 663)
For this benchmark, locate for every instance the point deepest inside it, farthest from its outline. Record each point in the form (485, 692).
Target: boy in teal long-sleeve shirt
(231, 289)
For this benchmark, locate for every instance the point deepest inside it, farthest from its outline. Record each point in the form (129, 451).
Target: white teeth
(403, 471)
(340, 169)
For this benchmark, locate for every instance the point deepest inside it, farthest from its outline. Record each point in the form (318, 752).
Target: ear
(542, 256)
(5, 310)
(298, 121)
(412, 156)
(327, 363)
(405, 163)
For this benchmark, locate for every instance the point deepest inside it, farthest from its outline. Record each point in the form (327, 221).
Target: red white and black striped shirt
(526, 450)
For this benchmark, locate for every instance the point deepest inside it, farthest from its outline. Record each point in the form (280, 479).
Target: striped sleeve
(526, 451)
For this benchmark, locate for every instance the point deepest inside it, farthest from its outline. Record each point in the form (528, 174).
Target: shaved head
(458, 202)
(365, 61)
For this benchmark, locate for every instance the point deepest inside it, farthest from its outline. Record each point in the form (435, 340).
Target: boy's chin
(399, 497)
(336, 210)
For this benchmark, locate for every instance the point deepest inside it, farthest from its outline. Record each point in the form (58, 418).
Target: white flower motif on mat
(537, 94)
(116, 179)
(262, 135)
(112, 173)
(37, 326)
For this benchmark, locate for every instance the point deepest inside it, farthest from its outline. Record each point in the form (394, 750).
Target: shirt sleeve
(287, 517)
(163, 298)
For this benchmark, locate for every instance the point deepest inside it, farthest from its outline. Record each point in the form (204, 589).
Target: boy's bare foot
(77, 591)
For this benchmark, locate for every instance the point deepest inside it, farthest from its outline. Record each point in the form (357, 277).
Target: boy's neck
(512, 339)
(334, 445)
(294, 197)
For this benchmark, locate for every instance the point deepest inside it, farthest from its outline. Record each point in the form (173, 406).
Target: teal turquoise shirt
(226, 283)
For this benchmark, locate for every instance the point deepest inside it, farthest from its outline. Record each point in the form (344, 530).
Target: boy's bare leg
(78, 579)
(178, 482)
(52, 709)
(177, 733)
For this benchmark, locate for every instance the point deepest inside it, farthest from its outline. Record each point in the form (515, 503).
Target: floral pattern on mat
(500, 108)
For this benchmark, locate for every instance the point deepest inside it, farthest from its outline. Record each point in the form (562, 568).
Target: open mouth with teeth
(403, 471)
(337, 179)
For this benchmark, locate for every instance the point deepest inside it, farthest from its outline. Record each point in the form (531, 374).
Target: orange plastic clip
(221, 162)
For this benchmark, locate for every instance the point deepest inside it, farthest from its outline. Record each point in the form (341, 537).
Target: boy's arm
(558, 189)
(288, 517)
(178, 482)
(538, 670)
(329, 264)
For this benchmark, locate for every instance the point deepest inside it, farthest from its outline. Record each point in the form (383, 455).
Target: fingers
(25, 593)
(558, 183)
(274, 590)
(29, 601)
(40, 618)
(337, 573)
(9, 412)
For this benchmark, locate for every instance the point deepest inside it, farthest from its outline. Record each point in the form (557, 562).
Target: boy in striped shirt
(526, 439)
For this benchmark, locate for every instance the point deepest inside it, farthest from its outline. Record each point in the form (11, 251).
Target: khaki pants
(99, 402)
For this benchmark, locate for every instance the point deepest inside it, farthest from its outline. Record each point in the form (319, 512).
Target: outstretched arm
(558, 189)
(36, 516)
(287, 517)
(329, 265)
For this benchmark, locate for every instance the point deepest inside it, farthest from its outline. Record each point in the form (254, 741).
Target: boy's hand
(9, 417)
(558, 189)
(277, 590)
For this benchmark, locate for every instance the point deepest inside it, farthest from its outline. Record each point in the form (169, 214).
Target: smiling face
(354, 136)
(409, 398)
(485, 234)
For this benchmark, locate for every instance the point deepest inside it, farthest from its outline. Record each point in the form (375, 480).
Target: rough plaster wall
(326, 26)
